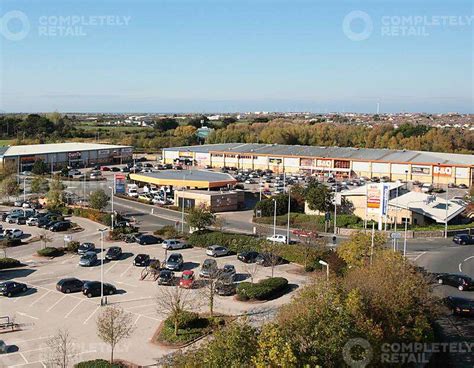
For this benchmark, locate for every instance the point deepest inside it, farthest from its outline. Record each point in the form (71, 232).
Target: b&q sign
(442, 170)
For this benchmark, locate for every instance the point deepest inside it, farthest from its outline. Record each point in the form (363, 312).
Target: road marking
(134, 323)
(26, 360)
(124, 283)
(90, 316)
(57, 302)
(28, 340)
(73, 309)
(418, 256)
(126, 270)
(26, 315)
(141, 306)
(41, 297)
(465, 260)
(135, 300)
(113, 265)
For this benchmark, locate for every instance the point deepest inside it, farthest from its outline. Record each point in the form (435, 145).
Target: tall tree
(61, 349)
(98, 199)
(200, 218)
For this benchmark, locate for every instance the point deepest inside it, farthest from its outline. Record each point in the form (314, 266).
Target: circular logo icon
(17, 35)
(357, 353)
(361, 35)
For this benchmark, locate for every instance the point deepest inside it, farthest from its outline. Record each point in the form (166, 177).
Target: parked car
(113, 253)
(33, 221)
(141, 260)
(166, 277)
(86, 247)
(88, 259)
(60, 226)
(148, 239)
(171, 244)
(267, 259)
(463, 239)
(217, 251)
(115, 169)
(11, 219)
(21, 220)
(208, 268)
(13, 233)
(187, 279)
(69, 285)
(92, 288)
(18, 203)
(48, 223)
(131, 238)
(460, 306)
(462, 186)
(41, 221)
(225, 287)
(277, 238)
(10, 288)
(175, 262)
(462, 282)
(248, 257)
(104, 168)
(228, 272)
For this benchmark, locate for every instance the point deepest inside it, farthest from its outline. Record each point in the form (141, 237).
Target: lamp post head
(321, 262)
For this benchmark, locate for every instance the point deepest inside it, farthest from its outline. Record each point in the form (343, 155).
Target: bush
(190, 327)
(311, 222)
(235, 242)
(99, 363)
(50, 252)
(263, 290)
(94, 215)
(167, 231)
(9, 263)
(11, 242)
(73, 246)
(118, 232)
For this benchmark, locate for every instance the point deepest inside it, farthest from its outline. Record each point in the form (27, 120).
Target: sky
(236, 56)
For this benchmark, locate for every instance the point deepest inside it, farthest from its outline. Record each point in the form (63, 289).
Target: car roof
(90, 254)
(188, 272)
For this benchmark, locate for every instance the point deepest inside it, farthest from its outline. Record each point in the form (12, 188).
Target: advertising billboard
(442, 170)
(420, 170)
(119, 183)
(373, 196)
(323, 163)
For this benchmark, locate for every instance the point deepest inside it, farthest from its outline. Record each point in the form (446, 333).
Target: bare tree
(220, 223)
(271, 256)
(252, 269)
(4, 243)
(61, 350)
(45, 238)
(114, 325)
(173, 301)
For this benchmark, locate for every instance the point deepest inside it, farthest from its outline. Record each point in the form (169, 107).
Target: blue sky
(233, 55)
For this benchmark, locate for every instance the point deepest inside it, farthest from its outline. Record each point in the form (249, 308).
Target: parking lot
(42, 310)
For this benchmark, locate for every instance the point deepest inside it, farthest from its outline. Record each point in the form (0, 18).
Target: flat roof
(362, 190)
(41, 149)
(349, 153)
(189, 178)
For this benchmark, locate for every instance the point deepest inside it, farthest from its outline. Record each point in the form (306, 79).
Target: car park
(166, 277)
(208, 268)
(141, 260)
(187, 279)
(217, 251)
(113, 253)
(460, 306)
(174, 262)
(460, 281)
(88, 259)
(148, 239)
(11, 288)
(92, 288)
(463, 239)
(69, 285)
(86, 247)
(171, 244)
(277, 238)
(248, 257)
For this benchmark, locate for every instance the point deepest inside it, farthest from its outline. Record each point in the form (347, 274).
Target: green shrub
(73, 246)
(9, 263)
(167, 231)
(263, 290)
(186, 320)
(311, 222)
(191, 326)
(50, 252)
(235, 242)
(99, 363)
(11, 242)
(118, 232)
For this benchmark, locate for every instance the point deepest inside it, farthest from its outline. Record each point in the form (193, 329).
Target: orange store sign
(443, 170)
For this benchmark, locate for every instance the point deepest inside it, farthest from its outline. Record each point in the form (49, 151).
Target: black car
(166, 277)
(463, 239)
(49, 223)
(42, 221)
(142, 260)
(460, 306)
(60, 226)
(92, 288)
(86, 247)
(69, 285)
(10, 288)
(248, 257)
(148, 239)
(21, 220)
(225, 287)
(268, 259)
(113, 253)
(115, 169)
(462, 282)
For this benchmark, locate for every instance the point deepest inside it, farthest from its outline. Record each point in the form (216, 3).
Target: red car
(187, 279)
(104, 168)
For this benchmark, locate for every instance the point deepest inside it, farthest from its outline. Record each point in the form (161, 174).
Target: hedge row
(50, 252)
(310, 222)
(235, 242)
(99, 363)
(262, 290)
(118, 232)
(9, 263)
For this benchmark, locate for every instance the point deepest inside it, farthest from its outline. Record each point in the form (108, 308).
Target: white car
(32, 221)
(277, 238)
(13, 233)
(217, 251)
(171, 244)
(133, 192)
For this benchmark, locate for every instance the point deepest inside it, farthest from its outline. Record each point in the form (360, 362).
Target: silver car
(217, 251)
(89, 259)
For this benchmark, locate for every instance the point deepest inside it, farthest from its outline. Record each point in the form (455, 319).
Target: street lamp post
(335, 209)
(274, 217)
(24, 189)
(182, 207)
(405, 239)
(446, 218)
(113, 213)
(288, 221)
(102, 231)
(325, 264)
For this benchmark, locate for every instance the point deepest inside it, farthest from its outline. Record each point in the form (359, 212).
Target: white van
(132, 190)
(426, 188)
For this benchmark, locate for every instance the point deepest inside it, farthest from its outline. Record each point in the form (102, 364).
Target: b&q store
(343, 162)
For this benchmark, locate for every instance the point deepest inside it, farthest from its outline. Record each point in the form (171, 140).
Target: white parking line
(126, 270)
(124, 283)
(26, 315)
(41, 297)
(57, 302)
(90, 315)
(28, 340)
(73, 309)
(141, 306)
(113, 265)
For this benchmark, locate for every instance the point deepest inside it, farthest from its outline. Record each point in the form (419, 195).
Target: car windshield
(208, 264)
(187, 276)
(173, 259)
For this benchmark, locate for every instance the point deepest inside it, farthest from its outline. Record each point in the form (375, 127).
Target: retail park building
(425, 167)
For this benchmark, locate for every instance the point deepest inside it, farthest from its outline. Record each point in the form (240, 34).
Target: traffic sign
(67, 238)
(395, 235)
